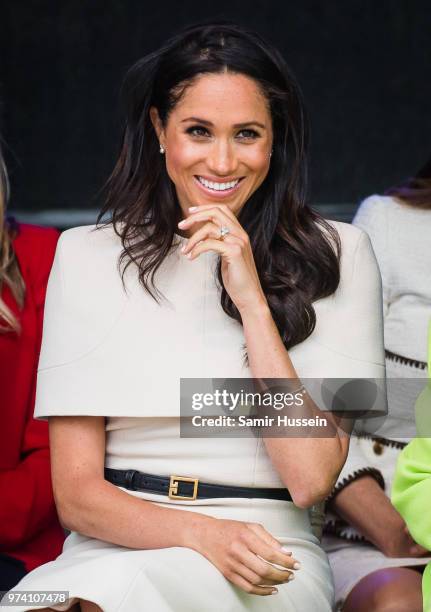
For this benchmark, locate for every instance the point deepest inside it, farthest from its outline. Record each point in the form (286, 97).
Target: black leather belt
(182, 487)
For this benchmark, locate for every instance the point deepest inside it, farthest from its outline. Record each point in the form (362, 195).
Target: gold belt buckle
(173, 487)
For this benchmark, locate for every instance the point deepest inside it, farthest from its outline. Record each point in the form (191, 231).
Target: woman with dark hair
(209, 198)
(30, 533)
(374, 558)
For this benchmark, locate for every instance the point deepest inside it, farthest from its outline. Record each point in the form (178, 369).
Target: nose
(222, 159)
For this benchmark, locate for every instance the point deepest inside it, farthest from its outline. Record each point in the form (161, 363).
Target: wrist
(196, 527)
(257, 310)
(394, 542)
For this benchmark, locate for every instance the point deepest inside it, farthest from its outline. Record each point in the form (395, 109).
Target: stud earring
(271, 152)
(162, 150)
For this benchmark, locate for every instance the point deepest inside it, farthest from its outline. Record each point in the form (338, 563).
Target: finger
(188, 247)
(265, 535)
(272, 554)
(223, 207)
(217, 216)
(254, 578)
(279, 558)
(212, 214)
(248, 587)
(209, 230)
(270, 540)
(220, 246)
(418, 551)
(266, 571)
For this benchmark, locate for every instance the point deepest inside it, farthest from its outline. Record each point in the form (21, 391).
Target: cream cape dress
(120, 354)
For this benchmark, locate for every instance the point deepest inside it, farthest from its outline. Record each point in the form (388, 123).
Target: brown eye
(252, 132)
(193, 129)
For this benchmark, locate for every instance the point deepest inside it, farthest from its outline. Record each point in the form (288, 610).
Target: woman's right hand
(384, 527)
(244, 554)
(403, 545)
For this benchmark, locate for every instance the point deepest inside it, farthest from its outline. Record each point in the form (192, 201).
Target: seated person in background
(30, 533)
(411, 492)
(372, 554)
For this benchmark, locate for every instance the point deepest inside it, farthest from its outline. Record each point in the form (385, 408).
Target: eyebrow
(236, 125)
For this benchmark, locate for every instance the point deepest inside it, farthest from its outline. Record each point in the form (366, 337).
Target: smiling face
(206, 148)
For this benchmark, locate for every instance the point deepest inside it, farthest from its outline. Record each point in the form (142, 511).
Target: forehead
(235, 95)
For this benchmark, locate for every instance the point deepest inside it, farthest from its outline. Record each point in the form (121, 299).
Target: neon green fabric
(411, 491)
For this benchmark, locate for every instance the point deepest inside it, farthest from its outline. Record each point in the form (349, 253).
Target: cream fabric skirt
(120, 579)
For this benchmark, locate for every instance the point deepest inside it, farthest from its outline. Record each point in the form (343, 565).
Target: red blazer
(29, 527)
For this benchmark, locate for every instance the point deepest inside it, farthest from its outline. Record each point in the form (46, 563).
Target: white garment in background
(400, 237)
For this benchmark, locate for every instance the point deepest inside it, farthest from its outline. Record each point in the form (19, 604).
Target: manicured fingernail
(188, 255)
(183, 248)
(296, 565)
(193, 208)
(286, 550)
(274, 591)
(182, 222)
(291, 577)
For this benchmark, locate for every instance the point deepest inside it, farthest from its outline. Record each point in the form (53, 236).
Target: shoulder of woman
(87, 259)
(349, 322)
(378, 202)
(35, 239)
(358, 262)
(86, 239)
(85, 294)
(350, 236)
(373, 211)
(34, 247)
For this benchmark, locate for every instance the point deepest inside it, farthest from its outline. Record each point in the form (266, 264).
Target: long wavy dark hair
(296, 251)
(416, 190)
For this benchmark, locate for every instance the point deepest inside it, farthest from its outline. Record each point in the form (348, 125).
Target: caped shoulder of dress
(110, 348)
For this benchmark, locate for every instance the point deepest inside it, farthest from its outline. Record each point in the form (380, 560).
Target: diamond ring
(223, 232)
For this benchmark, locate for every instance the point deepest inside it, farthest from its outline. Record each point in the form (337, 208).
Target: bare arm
(384, 527)
(89, 504)
(308, 466)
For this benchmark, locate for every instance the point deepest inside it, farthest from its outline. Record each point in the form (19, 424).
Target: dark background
(364, 68)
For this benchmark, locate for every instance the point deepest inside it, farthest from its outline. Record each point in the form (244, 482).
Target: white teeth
(217, 186)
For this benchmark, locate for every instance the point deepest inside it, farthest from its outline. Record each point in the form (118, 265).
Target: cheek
(181, 156)
(256, 159)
